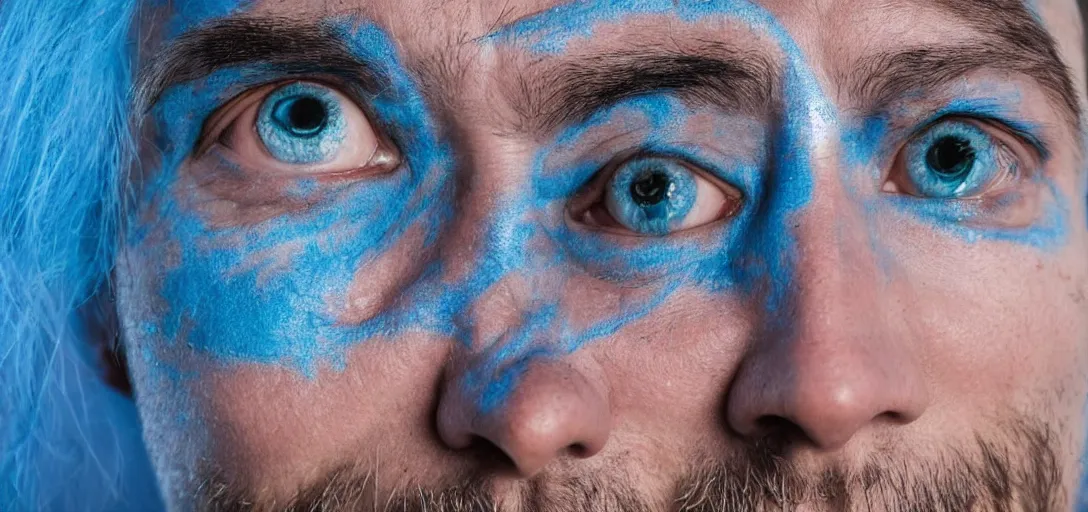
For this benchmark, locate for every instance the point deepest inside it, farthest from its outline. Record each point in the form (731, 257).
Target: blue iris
(301, 124)
(952, 159)
(651, 195)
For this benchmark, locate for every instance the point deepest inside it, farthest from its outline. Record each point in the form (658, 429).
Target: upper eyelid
(219, 120)
(1005, 126)
(894, 145)
(1022, 130)
(223, 117)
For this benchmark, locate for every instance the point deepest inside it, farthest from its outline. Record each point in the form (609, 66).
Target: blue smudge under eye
(954, 159)
(301, 124)
(651, 195)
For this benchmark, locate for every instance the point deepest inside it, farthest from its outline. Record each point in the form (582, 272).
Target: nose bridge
(514, 390)
(509, 385)
(836, 273)
(834, 364)
(494, 256)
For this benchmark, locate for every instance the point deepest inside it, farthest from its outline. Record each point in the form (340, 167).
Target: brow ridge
(551, 94)
(290, 47)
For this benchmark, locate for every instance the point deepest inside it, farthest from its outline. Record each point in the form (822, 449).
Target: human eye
(300, 128)
(651, 195)
(957, 159)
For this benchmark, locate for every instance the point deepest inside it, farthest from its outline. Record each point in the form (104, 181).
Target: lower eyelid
(362, 148)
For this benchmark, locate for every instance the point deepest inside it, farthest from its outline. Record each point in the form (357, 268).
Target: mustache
(1019, 471)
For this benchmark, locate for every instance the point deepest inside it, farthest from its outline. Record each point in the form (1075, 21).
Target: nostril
(771, 426)
(894, 417)
(490, 454)
(554, 411)
(578, 450)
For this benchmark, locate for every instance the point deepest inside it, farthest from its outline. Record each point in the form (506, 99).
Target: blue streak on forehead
(186, 14)
(552, 30)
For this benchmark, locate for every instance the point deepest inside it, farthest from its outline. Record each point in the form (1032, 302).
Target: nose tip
(827, 418)
(824, 398)
(553, 411)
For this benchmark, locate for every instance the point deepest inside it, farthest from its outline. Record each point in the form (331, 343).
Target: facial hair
(1016, 471)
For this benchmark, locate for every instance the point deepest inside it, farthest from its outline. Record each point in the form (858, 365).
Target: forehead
(833, 35)
(418, 21)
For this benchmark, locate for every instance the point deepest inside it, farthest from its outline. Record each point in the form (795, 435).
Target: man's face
(644, 255)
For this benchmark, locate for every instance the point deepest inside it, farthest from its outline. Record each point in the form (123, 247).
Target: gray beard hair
(1021, 474)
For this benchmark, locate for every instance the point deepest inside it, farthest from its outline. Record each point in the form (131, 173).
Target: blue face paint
(752, 253)
(186, 14)
(266, 293)
(868, 149)
(302, 124)
(260, 293)
(664, 119)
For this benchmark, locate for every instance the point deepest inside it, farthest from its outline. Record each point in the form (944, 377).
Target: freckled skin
(278, 328)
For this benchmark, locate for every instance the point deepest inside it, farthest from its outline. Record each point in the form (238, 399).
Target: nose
(553, 411)
(512, 386)
(836, 358)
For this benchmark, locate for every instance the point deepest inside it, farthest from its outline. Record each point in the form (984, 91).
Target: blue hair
(67, 440)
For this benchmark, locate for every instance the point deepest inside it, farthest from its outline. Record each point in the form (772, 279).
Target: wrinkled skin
(453, 313)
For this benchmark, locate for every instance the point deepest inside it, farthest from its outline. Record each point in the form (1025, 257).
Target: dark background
(1083, 11)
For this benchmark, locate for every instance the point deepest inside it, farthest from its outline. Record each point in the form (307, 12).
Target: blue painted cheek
(221, 302)
(269, 292)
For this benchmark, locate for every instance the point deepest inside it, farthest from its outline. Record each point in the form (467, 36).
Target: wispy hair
(67, 441)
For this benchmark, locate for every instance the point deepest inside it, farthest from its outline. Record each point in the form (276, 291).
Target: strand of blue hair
(67, 441)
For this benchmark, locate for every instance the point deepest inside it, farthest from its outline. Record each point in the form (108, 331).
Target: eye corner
(648, 194)
(957, 157)
(302, 126)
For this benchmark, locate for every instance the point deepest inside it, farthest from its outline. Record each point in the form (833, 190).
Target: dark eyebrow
(287, 46)
(1012, 40)
(553, 94)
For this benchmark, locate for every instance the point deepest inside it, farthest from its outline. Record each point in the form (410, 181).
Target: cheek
(995, 319)
(278, 291)
(278, 427)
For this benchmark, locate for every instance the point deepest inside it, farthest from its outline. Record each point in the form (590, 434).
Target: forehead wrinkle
(557, 19)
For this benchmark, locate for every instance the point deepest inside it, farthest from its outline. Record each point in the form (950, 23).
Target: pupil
(650, 189)
(306, 115)
(951, 156)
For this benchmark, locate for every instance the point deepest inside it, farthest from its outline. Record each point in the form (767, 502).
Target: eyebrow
(550, 94)
(287, 47)
(1013, 40)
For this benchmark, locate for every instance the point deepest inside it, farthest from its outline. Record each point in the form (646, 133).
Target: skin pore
(627, 255)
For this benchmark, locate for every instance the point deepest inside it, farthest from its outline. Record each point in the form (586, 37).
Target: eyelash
(601, 205)
(266, 110)
(1001, 162)
(254, 126)
(1007, 145)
